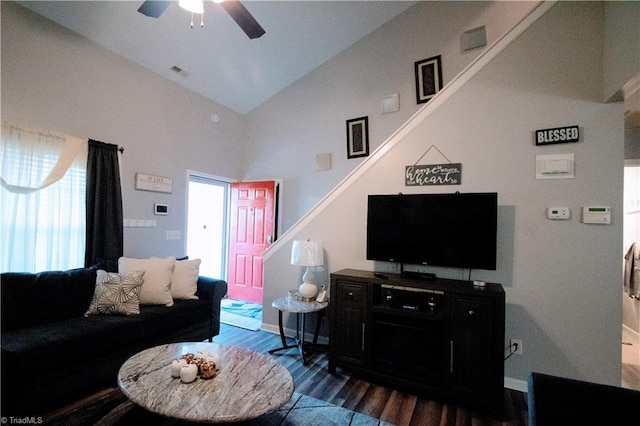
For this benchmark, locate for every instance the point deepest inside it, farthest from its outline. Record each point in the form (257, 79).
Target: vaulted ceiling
(218, 60)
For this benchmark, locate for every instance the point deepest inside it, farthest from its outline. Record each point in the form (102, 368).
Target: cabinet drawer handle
(363, 331)
(451, 356)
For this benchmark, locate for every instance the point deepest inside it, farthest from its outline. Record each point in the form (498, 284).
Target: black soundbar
(419, 275)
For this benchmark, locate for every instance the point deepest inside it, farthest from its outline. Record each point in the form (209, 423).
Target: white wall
(56, 80)
(562, 278)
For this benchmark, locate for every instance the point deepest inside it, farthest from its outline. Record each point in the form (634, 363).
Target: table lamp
(307, 253)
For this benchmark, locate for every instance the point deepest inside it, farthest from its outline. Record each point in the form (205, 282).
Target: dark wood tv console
(438, 337)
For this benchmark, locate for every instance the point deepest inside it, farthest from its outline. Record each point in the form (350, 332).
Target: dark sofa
(561, 401)
(52, 353)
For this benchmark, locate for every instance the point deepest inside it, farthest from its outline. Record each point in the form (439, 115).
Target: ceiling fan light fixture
(193, 6)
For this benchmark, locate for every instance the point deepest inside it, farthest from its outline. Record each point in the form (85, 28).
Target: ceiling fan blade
(153, 8)
(243, 18)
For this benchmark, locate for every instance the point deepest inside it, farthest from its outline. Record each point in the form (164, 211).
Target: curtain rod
(44, 132)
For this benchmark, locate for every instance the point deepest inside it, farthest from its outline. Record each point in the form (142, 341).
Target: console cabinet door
(474, 346)
(349, 329)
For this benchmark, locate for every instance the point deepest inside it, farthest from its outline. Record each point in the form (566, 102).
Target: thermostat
(558, 213)
(161, 209)
(596, 214)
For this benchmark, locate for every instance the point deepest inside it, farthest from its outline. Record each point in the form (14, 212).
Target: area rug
(113, 409)
(241, 314)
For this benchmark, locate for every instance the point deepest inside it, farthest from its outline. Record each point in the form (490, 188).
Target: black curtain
(104, 243)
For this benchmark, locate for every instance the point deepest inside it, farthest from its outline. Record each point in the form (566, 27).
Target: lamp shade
(307, 253)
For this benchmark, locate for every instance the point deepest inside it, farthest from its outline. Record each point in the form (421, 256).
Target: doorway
(229, 225)
(253, 218)
(631, 305)
(208, 223)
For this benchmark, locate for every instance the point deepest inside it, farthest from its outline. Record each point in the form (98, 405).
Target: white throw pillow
(184, 281)
(156, 289)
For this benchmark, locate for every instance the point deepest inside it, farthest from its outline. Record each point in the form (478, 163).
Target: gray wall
(562, 278)
(308, 118)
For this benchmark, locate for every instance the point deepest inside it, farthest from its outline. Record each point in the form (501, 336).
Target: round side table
(300, 308)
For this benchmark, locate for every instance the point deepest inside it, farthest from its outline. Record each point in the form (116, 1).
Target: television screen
(452, 230)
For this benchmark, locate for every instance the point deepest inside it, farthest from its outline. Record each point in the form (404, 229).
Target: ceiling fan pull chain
(202, 20)
(191, 19)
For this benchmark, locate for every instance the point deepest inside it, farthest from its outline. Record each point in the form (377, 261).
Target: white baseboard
(290, 333)
(515, 384)
(631, 331)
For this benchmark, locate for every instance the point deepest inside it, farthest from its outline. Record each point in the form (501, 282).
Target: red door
(252, 231)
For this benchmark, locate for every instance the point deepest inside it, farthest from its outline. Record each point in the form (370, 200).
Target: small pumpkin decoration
(208, 370)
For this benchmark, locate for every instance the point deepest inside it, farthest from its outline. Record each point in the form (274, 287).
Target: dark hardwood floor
(393, 406)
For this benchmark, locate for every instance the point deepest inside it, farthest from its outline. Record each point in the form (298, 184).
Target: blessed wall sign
(433, 174)
(557, 135)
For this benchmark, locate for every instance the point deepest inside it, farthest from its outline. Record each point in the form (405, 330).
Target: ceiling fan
(239, 13)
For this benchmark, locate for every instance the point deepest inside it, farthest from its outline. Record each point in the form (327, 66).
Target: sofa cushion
(184, 281)
(555, 400)
(116, 294)
(156, 288)
(158, 321)
(49, 346)
(32, 299)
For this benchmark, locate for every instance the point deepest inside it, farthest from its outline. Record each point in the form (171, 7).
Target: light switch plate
(555, 166)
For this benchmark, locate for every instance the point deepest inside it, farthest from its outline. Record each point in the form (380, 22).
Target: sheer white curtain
(42, 214)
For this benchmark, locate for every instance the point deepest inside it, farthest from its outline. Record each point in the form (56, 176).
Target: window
(42, 217)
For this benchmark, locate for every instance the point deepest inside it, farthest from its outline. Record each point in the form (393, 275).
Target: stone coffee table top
(249, 384)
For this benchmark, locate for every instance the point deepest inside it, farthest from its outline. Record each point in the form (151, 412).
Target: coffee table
(248, 385)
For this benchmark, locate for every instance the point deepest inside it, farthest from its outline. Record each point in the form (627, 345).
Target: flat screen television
(452, 230)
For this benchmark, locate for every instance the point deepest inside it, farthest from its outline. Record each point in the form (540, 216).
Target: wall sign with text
(557, 135)
(153, 183)
(433, 174)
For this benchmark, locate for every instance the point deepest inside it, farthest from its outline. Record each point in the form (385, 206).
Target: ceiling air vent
(179, 71)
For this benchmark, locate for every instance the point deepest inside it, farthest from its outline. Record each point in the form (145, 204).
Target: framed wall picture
(358, 137)
(428, 78)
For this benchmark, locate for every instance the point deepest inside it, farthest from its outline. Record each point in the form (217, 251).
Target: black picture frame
(358, 137)
(428, 78)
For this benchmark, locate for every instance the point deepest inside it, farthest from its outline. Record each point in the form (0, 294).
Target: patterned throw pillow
(116, 294)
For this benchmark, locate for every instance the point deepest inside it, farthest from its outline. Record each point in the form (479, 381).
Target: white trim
(205, 175)
(290, 333)
(631, 86)
(516, 384)
(631, 331)
(441, 97)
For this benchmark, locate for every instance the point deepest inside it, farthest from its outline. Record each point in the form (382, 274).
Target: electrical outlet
(513, 342)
